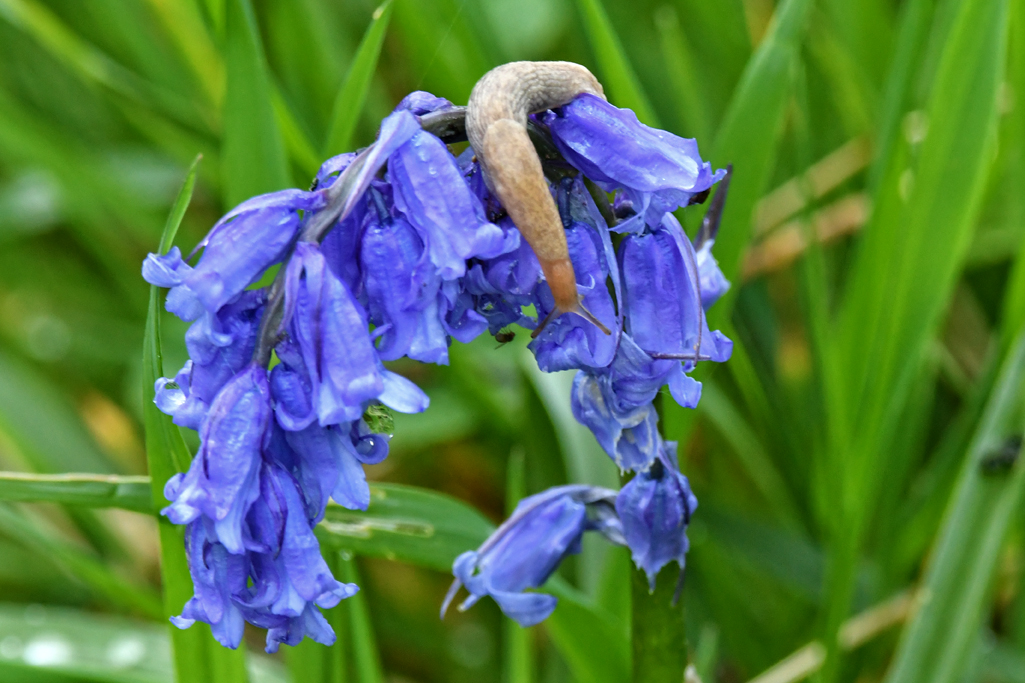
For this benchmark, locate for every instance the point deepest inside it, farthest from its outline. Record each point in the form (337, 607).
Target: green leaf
(616, 74)
(407, 524)
(749, 135)
(937, 643)
(90, 490)
(353, 93)
(254, 159)
(197, 656)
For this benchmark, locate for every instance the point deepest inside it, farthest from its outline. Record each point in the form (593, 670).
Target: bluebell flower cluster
(393, 253)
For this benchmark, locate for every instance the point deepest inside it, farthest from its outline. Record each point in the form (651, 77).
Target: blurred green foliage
(853, 450)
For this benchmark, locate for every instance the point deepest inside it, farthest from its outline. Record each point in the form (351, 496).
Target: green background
(860, 504)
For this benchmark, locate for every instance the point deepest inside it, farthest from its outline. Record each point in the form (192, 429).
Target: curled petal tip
(450, 596)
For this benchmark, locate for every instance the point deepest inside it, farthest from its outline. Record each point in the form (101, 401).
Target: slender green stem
(659, 639)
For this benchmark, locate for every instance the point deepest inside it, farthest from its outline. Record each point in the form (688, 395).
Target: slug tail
(589, 317)
(579, 309)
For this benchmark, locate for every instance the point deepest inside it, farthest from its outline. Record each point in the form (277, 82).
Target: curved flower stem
(657, 631)
(659, 641)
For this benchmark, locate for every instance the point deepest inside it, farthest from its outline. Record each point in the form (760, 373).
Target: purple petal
(241, 246)
(431, 193)
(403, 395)
(610, 146)
(655, 509)
(222, 482)
(331, 330)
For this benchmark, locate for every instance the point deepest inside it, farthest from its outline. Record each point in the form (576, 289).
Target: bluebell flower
(223, 480)
(330, 327)
(430, 191)
(655, 508)
(217, 577)
(291, 631)
(330, 463)
(280, 531)
(524, 551)
(461, 319)
(503, 286)
(713, 283)
(663, 302)
(250, 238)
(627, 433)
(569, 341)
(420, 254)
(329, 171)
(220, 345)
(419, 103)
(658, 171)
(403, 290)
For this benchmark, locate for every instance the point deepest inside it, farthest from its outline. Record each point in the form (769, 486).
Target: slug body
(496, 125)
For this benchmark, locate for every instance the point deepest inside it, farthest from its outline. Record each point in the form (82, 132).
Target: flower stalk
(658, 637)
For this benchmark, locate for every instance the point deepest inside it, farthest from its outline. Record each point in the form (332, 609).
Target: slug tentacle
(496, 125)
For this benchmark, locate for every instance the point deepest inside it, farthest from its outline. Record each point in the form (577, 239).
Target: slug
(496, 126)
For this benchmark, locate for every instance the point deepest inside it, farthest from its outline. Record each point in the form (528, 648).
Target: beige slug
(496, 125)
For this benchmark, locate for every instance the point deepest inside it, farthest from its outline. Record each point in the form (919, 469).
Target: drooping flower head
(396, 252)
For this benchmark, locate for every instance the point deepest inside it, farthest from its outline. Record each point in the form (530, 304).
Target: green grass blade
(365, 659)
(43, 425)
(517, 652)
(903, 278)
(913, 28)
(937, 643)
(90, 490)
(197, 656)
(683, 78)
(749, 135)
(444, 52)
(615, 72)
(585, 461)
(353, 93)
(184, 22)
(180, 206)
(92, 65)
(253, 153)
(589, 640)
(910, 257)
(295, 139)
(80, 565)
(723, 415)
